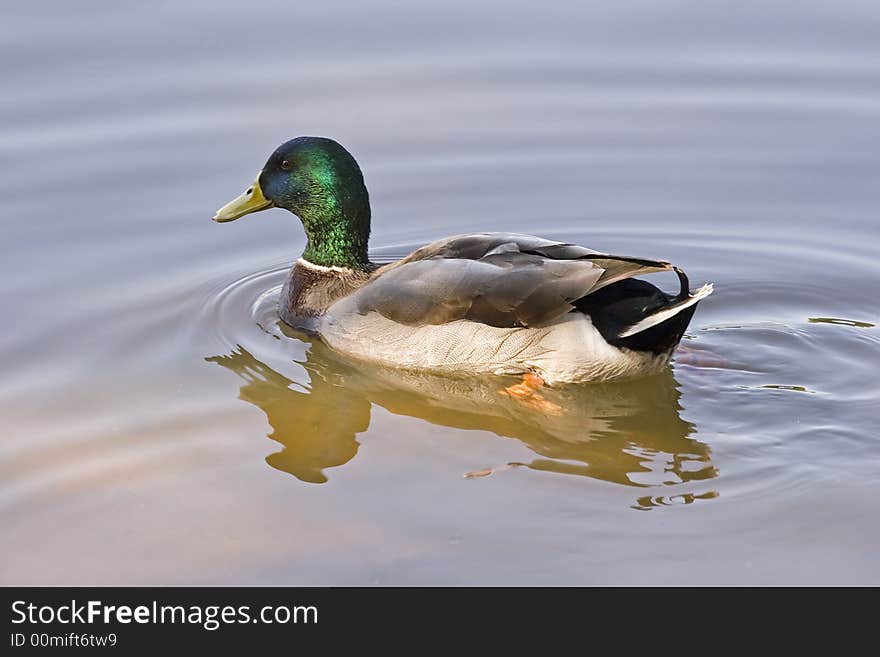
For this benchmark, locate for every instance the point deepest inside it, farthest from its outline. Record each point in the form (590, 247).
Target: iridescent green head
(320, 182)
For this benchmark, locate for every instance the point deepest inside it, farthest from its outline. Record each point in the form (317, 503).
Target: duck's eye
(285, 165)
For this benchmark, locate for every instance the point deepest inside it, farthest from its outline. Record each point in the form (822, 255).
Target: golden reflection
(628, 433)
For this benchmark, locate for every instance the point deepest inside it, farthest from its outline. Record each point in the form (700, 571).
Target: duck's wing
(499, 279)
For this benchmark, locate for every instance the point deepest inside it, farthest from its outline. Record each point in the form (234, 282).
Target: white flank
(666, 313)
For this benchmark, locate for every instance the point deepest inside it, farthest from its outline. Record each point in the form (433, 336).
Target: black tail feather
(618, 306)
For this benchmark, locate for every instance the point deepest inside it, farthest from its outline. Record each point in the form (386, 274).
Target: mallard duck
(488, 303)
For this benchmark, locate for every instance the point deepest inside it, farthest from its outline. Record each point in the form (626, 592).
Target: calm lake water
(161, 427)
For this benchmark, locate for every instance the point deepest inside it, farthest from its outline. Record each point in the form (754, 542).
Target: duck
(491, 303)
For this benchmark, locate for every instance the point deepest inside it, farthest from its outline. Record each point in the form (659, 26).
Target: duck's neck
(338, 233)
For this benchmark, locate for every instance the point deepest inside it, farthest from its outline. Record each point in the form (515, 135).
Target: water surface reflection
(628, 433)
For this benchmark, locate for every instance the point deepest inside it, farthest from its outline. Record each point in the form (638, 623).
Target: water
(161, 427)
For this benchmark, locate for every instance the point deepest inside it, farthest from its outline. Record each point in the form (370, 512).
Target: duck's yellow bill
(251, 201)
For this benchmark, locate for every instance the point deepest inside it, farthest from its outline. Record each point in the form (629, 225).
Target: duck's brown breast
(310, 289)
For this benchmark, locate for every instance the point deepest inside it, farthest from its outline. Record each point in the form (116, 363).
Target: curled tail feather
(669, 311)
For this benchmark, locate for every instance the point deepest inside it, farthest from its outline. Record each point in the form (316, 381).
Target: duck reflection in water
(628, 432)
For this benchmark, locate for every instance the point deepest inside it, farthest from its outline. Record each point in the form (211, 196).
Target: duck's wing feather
(500, 279)
(479, 245)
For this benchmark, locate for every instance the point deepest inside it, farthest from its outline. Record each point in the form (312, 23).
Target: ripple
(236, 310)
(648, 502)
(774, 386)
(840, 322)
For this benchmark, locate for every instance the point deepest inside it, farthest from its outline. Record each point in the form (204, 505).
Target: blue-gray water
(161, 427)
